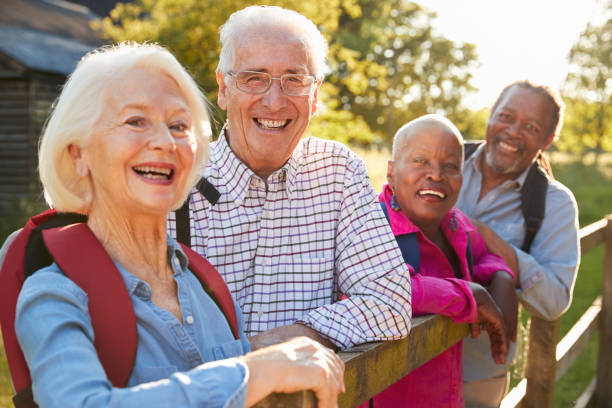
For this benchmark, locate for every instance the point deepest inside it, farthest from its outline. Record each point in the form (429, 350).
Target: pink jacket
(435, 289)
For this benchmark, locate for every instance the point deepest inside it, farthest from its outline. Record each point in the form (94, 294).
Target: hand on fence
(502, 290)
(491, 317)
(296, 365)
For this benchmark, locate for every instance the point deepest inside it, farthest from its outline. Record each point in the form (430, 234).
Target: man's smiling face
(518, 129)
(265, 128)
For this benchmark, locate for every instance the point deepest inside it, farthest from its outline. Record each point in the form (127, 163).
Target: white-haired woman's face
(142, 147)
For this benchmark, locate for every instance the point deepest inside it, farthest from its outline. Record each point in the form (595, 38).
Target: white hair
(238, 26)
(425, 120)
(80, 105)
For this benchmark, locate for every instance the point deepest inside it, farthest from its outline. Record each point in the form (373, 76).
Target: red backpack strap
(12, 277)
(82, 258)
(210, 277)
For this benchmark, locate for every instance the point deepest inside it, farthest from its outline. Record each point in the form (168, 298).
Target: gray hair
(240, 23)
(80, 105)
(425, 120)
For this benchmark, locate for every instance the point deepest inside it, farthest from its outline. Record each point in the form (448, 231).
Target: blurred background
(390, 61)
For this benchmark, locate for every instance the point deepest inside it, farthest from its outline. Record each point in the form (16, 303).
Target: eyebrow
(287, 71)
(138, 106)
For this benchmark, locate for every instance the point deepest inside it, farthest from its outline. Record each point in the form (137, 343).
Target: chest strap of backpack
(409, 247)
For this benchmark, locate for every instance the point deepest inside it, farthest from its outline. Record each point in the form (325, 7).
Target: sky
(515, 39)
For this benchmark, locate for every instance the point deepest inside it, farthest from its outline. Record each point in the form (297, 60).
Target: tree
(588, 89)
(387, 65)
(390, 67)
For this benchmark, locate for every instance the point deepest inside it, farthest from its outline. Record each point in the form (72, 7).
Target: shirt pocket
(228, 350)
(145, 374)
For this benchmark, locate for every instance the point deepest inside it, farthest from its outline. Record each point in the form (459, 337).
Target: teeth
(271, 124)
(506, 146)
(432, 192)
(155, 173)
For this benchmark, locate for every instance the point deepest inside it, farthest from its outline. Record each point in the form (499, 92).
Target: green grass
(592, 186)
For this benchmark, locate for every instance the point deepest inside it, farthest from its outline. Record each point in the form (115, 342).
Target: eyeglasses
(259, 82)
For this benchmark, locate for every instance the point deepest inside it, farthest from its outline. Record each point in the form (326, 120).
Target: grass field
(592, 186)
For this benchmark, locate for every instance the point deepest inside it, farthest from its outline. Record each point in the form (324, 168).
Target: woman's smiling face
(142, 147)
(425, 175)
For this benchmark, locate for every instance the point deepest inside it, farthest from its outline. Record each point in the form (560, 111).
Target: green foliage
(588, 89)
(387, 65)
(390, 67)
(587, 127)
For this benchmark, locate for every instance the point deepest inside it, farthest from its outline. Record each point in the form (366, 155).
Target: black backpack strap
(408, 245)
(533, 202)
(210, 193)
(469, 147)
(468, 256)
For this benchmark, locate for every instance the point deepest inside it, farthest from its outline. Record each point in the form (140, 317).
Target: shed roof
(42, 51)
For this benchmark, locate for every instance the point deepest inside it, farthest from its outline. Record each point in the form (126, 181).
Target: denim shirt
(176, 364)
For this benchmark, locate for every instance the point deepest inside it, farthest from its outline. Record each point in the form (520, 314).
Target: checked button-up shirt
(288, 246)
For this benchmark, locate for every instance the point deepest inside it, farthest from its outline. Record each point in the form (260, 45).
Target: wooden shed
(40, 44)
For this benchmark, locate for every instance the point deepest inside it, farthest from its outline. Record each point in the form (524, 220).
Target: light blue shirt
(177, 365)
(547, 274)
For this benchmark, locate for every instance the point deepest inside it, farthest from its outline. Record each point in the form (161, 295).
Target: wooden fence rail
(370, 368)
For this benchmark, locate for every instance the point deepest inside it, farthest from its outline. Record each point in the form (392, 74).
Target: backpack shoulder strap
(12, 278)
(533, 201)
(470, 146)
(469, 257)
(214, 285)
(82, 258)
(211, 194)
(408, 245)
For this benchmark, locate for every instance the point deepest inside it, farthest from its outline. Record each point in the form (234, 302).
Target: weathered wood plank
(570, 347)
(541, 362)
(515, 397)
(587, 397)
(592, 235)
(604, 363)
(371, 368)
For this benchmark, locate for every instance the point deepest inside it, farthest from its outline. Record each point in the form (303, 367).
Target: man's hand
(496, 245)
(503, 292)
(284, 333)
(490, 315)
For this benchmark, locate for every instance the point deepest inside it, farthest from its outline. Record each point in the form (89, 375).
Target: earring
(453, 224)
(394, 204)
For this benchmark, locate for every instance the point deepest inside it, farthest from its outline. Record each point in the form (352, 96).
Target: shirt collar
(237, 176)
(475, 158)
(401, 224)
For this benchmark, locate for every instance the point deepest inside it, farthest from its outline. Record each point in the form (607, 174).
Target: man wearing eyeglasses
(297, 223)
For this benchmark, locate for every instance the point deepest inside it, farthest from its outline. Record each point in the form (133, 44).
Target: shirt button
(264, 262)
(259, 313)
(176, 262)
(189, 319)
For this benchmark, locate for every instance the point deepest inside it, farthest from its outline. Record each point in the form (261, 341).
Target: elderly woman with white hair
(123, 146)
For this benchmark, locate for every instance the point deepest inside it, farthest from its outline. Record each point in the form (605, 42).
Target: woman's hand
(298, 364)
(492, 318)
(503, 292)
